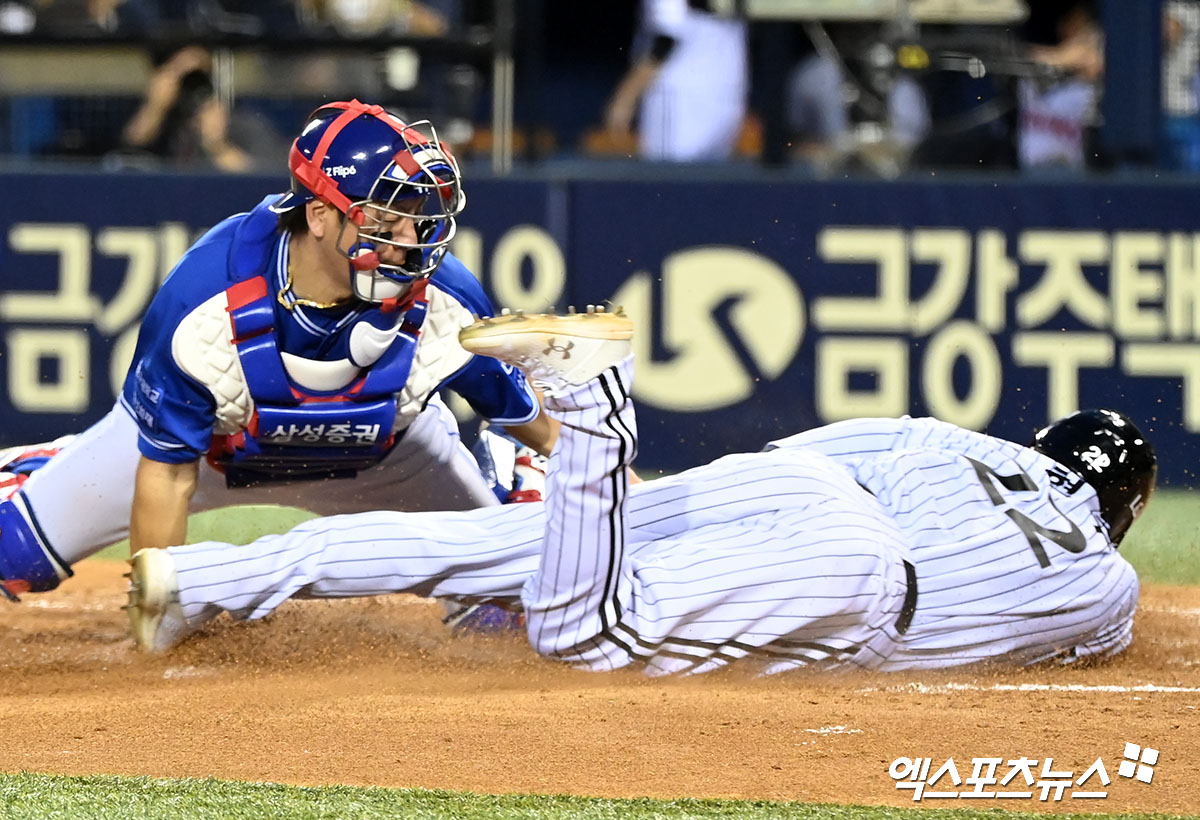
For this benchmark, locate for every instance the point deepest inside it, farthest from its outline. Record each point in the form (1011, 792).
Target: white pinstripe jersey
(1012, 555)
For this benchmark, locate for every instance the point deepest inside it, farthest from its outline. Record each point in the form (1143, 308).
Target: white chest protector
(203, 347)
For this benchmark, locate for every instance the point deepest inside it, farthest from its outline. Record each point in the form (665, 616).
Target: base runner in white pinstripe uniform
(879, 543)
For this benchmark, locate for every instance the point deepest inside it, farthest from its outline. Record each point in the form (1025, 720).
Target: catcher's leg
(72, 506)
(18, 463)
(27, 563)
(430, 469)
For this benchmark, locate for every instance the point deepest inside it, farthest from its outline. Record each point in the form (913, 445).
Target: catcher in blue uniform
(291, 357)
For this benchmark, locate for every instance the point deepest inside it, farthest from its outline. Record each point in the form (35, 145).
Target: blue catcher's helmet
(1109, 452)
(376, 169)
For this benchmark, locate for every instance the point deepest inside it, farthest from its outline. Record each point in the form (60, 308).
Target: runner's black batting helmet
(1109, 452)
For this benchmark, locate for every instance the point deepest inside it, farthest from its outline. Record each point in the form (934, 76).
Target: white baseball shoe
(555, 351)
(155, 616)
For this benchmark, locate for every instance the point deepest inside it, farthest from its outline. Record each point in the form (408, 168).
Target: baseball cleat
(155, 616)
(554, 351)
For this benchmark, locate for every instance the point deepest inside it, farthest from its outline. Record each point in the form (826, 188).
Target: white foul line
(1187, 613)
(925, 688)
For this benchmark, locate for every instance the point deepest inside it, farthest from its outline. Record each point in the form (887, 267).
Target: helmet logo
(342, 171)
(1095, 458)
(1137, 505)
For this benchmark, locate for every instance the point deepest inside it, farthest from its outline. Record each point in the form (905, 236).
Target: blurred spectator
(687, 85)
(247, 18)
(370, 18)
(1181, 53)
(1057, 110)
(64, 125)
(17, 17)
(183, 121)
(817, 114)
(827, 129)
(83, 17)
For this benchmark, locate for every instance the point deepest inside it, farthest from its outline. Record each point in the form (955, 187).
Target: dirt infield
(374, 692)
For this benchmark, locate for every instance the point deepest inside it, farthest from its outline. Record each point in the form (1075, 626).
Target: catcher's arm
(161, 495)
(540, 434)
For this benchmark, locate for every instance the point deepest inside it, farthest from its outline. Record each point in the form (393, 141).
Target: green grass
(237, 525)
(45, 797)
(1164, 545)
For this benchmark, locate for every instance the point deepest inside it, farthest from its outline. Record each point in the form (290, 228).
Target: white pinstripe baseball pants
(779, 556)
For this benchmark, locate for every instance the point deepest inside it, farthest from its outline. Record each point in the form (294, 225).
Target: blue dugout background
(765, 307)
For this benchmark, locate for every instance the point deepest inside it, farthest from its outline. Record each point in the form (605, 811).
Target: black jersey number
(1072, 540)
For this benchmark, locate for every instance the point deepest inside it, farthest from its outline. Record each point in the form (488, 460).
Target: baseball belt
(910, 599)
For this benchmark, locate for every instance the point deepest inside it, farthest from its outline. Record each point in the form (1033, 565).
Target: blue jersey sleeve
(496, 391)
(175, 413)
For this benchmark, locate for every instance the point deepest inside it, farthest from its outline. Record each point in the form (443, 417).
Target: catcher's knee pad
(27, 562)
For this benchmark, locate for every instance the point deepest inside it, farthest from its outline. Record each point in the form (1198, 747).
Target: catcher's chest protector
(302, 418)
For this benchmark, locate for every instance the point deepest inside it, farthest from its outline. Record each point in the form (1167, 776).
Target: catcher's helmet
(375, 168)
(1109, 452)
